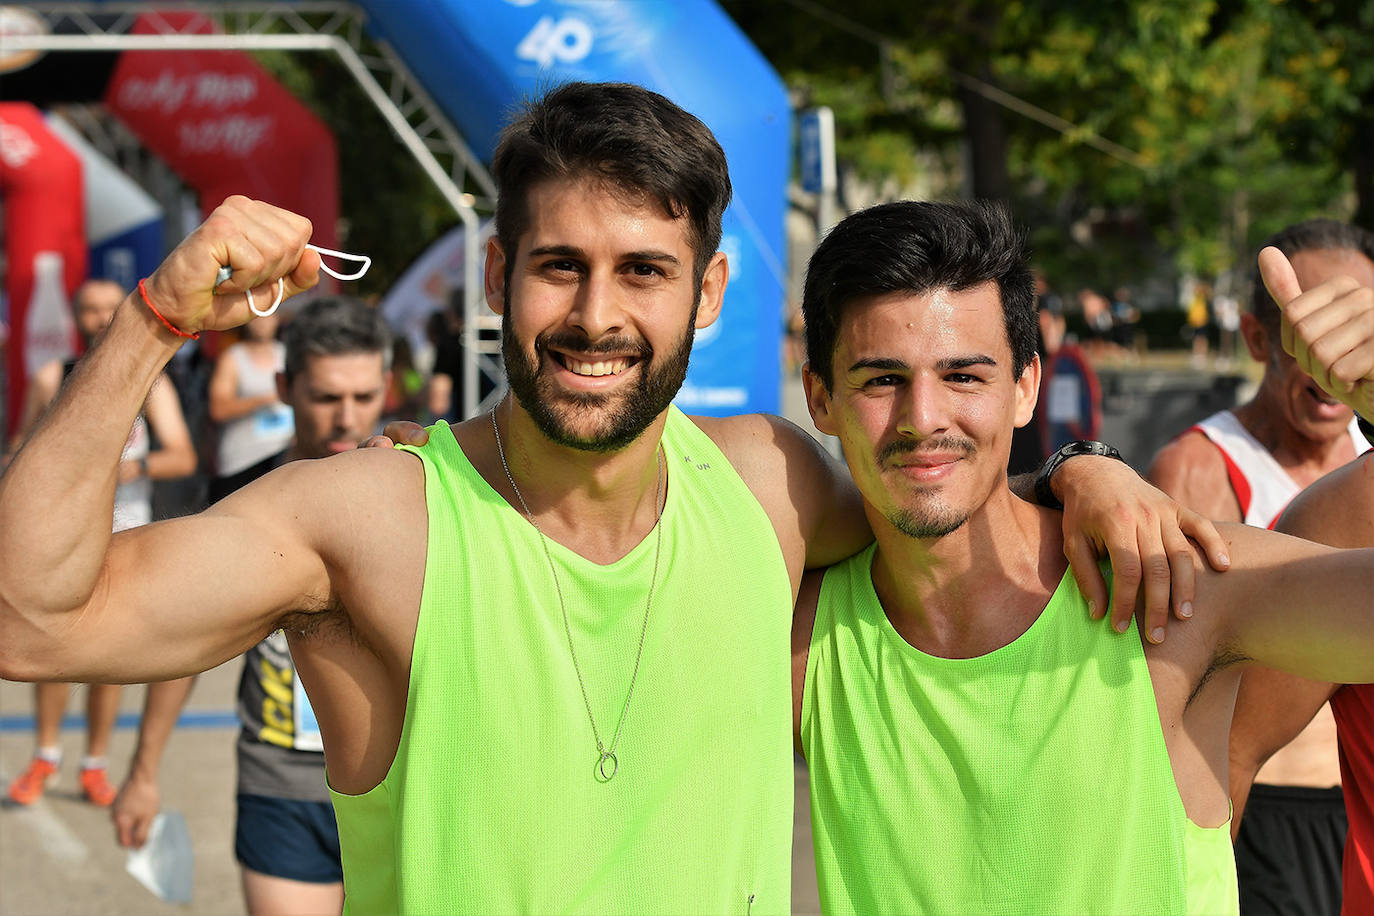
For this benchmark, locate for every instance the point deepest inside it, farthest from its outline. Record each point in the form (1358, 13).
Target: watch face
(1084, 447)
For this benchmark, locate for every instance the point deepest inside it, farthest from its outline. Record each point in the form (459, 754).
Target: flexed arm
(67, 588)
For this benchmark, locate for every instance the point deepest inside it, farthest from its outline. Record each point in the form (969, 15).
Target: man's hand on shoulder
(399, 432)
(1110, 512)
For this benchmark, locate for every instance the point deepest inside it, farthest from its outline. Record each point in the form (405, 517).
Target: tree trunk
(986, 137)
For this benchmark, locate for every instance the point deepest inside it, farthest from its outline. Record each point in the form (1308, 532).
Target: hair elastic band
(143, 291)
(225, 272)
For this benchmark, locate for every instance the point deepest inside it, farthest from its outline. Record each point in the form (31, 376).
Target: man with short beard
(952, 700)
(547, 651)
(1246, 464)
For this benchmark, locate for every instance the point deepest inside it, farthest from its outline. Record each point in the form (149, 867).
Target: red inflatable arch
(40, 181)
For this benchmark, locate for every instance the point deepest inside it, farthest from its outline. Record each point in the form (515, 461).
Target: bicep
(181, 596)
(1337, 510)
(1296, 606)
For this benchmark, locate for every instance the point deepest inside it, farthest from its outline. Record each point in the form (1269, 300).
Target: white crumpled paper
(165, 863)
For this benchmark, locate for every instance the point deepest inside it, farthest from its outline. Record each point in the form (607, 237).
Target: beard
(932, 517)
(931, 521)
(618, 417)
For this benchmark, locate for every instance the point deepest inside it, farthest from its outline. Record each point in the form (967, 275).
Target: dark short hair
(917, 247)
(334, 326)
(90, 282)
(1312, 235)
(630, 137)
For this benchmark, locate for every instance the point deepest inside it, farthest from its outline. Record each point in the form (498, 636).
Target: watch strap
(1044, 492)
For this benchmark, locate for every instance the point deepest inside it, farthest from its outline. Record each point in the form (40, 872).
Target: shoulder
(1192, 451)
(763, 448)
(1338, 509)
(1192, 470)
(358, 492)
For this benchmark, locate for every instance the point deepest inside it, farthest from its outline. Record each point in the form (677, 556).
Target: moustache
(901, 447)
(581, 343)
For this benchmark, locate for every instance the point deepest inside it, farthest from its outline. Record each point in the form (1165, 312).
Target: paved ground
(59, 858)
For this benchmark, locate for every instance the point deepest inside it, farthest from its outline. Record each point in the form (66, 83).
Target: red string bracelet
(142, 291)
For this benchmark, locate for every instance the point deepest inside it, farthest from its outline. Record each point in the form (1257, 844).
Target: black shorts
(286, 838)
(1288, 851)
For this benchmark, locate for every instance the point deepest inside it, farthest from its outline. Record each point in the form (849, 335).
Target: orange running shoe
(28, 788)
(95, 785)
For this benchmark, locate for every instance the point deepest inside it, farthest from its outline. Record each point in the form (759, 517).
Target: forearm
(232, 407)
(57, 495)
(161, 709)
(170, 463)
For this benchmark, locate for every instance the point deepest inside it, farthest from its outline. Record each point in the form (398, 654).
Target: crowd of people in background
(1114, 330)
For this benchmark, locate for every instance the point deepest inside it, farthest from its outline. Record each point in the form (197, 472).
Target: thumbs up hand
(1328, 329)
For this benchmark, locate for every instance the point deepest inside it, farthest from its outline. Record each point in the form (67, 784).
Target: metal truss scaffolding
(329, 27)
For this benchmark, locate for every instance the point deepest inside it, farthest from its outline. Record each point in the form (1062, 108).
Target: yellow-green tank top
(1030, 780)
(491, 804)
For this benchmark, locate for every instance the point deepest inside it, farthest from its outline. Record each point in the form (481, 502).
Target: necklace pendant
(606, 767)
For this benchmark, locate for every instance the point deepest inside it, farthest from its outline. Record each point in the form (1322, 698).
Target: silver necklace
(606, 763)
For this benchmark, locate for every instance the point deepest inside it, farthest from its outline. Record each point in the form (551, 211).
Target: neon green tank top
(491, 804)
(1031, 780)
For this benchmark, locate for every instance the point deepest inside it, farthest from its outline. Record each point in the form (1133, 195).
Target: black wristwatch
(1367, 428)
(1044, 494)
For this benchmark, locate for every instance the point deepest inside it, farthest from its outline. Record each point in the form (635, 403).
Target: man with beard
(473, 626)
(337, 368)
(1245, 464)
(956, 651)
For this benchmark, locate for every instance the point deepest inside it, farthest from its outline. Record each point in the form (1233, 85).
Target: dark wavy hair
(630, 137)
(917, 247)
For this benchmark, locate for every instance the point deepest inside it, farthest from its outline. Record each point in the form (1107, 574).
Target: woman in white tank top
(254, 425)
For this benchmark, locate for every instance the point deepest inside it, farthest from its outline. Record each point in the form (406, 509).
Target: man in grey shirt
(338, 356)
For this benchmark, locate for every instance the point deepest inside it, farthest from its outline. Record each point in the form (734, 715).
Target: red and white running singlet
(1262, 487)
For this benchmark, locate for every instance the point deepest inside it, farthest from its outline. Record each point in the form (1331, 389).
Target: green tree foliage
(1181, 132)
